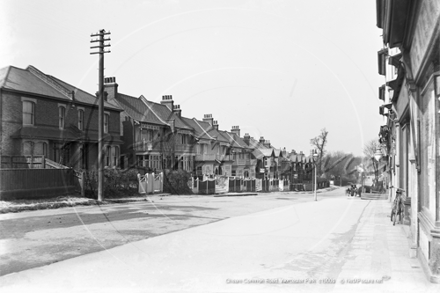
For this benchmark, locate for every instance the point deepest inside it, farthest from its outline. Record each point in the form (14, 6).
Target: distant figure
(353, 190)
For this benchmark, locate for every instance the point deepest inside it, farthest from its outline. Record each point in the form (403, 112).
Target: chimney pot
(167, 100)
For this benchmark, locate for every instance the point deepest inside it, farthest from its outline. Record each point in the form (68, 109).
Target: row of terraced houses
(44, 117)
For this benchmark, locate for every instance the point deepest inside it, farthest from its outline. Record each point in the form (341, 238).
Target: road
(269, 243)
(35, 238)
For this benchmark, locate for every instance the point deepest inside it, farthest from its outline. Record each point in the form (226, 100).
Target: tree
(370, 162)
(319, 143)
(341, 165)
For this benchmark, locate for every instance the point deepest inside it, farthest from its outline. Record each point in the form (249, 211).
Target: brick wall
(11, 123)
(46, 115)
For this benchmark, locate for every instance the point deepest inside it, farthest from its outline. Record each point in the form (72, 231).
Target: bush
(176, 182)
(116, 183)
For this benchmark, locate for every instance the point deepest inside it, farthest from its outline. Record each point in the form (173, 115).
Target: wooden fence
(23, 162)
(36, 183)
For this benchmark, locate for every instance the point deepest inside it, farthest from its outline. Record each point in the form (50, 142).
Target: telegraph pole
(101, 39)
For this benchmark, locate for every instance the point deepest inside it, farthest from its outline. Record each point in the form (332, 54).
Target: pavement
(376, 259)
(15, 206)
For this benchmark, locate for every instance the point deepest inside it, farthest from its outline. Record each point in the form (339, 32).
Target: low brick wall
(36, 183)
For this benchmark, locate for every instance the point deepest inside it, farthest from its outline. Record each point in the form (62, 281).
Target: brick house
(42, 115)
(154, 134)
(241, 155)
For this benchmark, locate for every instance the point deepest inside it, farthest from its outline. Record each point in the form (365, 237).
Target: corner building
(412, 136)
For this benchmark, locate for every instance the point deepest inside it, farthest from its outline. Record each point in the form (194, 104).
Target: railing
(206, 157)
(212, 157)
(49, 164)
(144, 146)
(184, 148)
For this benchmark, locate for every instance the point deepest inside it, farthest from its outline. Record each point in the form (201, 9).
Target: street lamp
(378, 154)
(377, 157)
(315, 157)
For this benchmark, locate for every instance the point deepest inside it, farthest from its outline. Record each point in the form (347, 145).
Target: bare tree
(169, 143)
(369, 151)
(319, 143)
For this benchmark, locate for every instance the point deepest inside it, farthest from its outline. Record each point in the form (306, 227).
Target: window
(45, 149)
(106, 118)
(184, 139)
(116, 157)
(107, 155)
(28, 148)
(28, 113)
(61, 116)
(81, 119)
(155, 163)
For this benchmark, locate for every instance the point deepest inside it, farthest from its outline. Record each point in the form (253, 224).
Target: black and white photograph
(220, 146)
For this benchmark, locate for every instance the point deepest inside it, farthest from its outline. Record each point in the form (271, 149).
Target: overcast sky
(282, 69)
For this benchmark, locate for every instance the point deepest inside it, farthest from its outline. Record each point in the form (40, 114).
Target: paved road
(337, 244)
(35, 238)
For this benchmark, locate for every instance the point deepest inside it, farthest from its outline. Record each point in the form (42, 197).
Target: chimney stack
(168, 101)
(208, 118)
(236, 130)
(215, 124)
(177, 110)
(111, 87)
(247, 138)
(267, 143)
(261, 140)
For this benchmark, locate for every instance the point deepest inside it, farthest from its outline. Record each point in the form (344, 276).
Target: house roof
(278, 153)
(237, 141)
(33, 81)
(210, 131)
(200, 132)
(253, 143)
(260, 153)
(217, 134)
(137, 110)
(84, 97)
(165, 114)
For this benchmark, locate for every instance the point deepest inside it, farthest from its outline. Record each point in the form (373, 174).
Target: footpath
(380, 249)
(14, 206)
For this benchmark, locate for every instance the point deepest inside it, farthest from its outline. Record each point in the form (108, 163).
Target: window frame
(33, 103)
(81, 119)
(106, 121)
(61, 118)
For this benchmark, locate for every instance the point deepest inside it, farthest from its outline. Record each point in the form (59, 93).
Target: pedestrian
(353, 190)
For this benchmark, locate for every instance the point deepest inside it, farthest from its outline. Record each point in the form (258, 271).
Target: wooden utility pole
(102, 33)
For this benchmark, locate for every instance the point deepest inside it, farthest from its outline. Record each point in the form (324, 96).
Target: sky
(280, 69)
